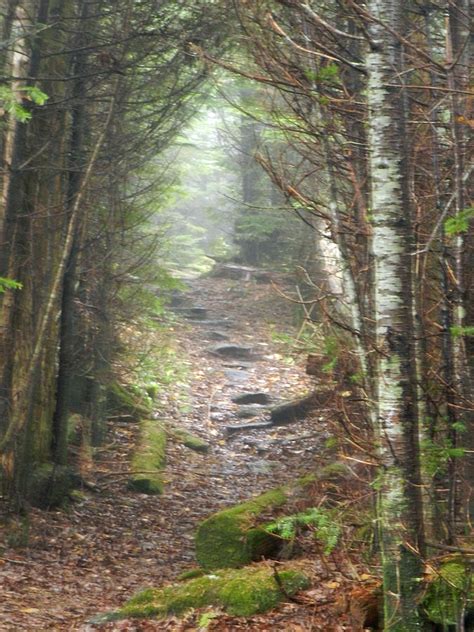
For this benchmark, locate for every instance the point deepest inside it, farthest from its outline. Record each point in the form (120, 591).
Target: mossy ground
(450, 595)
(149, 459)
(242, 592)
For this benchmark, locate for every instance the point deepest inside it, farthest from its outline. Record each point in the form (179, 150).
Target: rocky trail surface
(112, 542)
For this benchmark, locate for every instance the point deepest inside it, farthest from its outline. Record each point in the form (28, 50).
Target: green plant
(12, 101)
(357, 378)
(331, 443)
(326, 74)
(306, 342)
(9, 284)
(457, 331)
(459, 223)
(327, 529)
(206, 618)
(437, 455)
(331, 352)
(450, 595)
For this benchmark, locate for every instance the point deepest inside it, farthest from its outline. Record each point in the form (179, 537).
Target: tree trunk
(399, 507)
(459, 378)
(67, 325)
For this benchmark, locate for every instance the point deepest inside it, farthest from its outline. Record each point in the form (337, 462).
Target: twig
(447, 547)
(20, 562)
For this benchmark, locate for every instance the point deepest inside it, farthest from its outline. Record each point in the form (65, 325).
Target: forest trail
(91, 557)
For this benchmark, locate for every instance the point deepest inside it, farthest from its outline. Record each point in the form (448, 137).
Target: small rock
(238, 365)
(235, 376)
(257, 444)
(253, 410)
(261, 466)
(217, 335)
(253, 398)
(257, 425)
(177, 300)
(216, 416)
(193, 313)
(231, 351)
(294, 410)
(223, 322)
(234, 271)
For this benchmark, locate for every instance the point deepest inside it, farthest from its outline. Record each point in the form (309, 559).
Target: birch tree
(399, 515)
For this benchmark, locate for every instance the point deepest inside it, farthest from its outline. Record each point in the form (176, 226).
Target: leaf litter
(110, 543)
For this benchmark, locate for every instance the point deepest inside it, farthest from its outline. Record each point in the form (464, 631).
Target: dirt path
(105, 547)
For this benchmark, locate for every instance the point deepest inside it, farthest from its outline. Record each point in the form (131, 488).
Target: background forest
(325, 143)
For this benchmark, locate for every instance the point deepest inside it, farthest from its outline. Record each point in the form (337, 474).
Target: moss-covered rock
(149, 459)
(50, 485)
(189, 440)
(128, 401)
(239, 535)
(450, 593)
(242, 592)
(233, 537)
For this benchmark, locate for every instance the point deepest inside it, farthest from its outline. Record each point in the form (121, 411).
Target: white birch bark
(399, 499)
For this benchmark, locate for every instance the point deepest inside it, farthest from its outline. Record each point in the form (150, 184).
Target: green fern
(9, 284)
(459, 223)
(327, 529)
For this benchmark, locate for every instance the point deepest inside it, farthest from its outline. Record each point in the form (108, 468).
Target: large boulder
(237, 536)
(233, 537)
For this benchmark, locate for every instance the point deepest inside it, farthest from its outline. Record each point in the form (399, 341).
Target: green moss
(243, 598)
(242, 592)
(230, 538)
(149, 459)
(191, 574)
(450, 593)
(238, 535)
(152, 390)
(189, 440)
(128, 401)
(334, 470)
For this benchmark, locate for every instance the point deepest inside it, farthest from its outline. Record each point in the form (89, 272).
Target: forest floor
(92, 556)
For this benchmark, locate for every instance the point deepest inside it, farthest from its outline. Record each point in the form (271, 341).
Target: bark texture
(399, 507)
